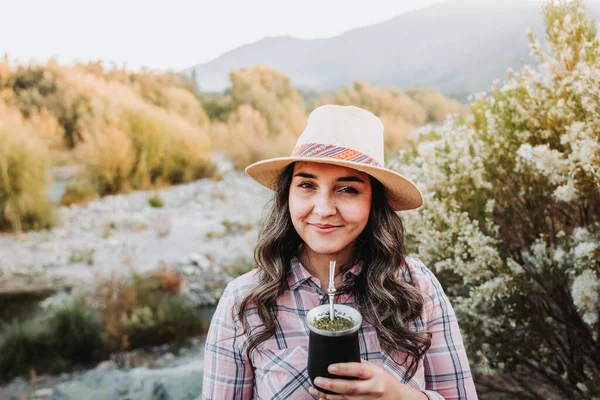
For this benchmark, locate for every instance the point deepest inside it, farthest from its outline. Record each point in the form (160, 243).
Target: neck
(318, 265)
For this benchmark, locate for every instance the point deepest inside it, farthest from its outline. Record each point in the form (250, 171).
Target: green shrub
(165, 319)
(24, 346)
(511, 220)
(125, 314)
(51, 341)
(146, 310)
(82, 255)
(156, 202)
(76, 330)
(78, 194)
(217, 108)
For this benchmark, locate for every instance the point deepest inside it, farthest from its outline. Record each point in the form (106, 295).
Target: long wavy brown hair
(377, 289)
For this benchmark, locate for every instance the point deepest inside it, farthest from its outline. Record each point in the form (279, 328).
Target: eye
(306, 185)
(349, 190)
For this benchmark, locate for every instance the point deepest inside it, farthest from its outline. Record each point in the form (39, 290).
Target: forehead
(327, 170)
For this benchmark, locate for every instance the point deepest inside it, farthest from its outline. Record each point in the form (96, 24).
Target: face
(329, 206)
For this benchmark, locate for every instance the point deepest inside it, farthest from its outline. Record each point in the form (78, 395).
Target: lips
(325, 228)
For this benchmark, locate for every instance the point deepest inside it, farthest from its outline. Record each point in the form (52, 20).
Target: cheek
(359, 215)
(298, 209)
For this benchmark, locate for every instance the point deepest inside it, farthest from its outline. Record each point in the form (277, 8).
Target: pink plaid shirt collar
(297, 274)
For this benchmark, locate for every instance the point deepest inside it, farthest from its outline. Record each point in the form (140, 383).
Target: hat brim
(402, 193)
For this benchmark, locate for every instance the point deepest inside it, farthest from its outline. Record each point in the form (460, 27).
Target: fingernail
(318, 381)
(333, 368)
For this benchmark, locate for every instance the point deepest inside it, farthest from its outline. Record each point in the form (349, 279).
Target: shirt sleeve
(447, 372)
(228, 373)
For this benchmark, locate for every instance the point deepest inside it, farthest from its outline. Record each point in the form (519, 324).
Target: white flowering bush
(511, 221)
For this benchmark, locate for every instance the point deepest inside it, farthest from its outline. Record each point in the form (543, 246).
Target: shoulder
(242, 284)
(417, 274)
(235, 290)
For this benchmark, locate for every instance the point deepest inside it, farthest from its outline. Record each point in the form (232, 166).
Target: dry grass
(137, 145)
(131, 130)
(436, 104)
(109, 159)
(270, 93)
(78, 194)
(24, 174)
(245, 138)
(169, 280)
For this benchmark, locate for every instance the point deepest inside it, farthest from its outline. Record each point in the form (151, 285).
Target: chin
(320, 249)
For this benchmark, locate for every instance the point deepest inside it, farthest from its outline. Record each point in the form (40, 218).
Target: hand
(374, 383)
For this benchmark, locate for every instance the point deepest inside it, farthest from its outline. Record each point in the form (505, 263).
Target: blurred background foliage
(511, 225)
(141, 130)
(117, 314)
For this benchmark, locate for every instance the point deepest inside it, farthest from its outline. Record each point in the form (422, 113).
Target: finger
(344, 387)
(363, 370)
(313, 391)
(339, 397)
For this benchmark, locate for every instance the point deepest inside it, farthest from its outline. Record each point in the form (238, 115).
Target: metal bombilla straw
(331, 288)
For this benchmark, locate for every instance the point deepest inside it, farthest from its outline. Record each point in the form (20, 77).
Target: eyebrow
(340, 179)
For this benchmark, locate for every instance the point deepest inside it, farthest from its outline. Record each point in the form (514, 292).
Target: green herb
(338, 323)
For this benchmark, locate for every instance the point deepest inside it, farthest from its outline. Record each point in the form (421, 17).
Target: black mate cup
(326, 348)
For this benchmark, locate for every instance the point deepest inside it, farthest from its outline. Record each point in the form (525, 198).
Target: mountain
(456, 47)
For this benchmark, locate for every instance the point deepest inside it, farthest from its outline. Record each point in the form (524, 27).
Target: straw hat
(348, 136)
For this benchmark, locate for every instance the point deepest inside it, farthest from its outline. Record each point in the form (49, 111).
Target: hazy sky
(173, 34)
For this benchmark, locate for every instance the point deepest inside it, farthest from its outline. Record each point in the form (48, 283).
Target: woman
(334, 200)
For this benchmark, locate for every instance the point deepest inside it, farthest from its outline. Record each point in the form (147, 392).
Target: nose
(324, 204)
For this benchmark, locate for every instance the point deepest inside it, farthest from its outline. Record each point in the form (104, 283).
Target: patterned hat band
(317, 150)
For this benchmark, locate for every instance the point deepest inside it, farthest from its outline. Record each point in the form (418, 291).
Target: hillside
(456, 47)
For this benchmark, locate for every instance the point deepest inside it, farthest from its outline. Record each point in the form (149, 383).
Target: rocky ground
(155, 374)
(206, 224)
(206, 230)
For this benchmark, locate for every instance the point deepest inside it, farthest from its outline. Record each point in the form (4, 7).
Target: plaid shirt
(277, 369)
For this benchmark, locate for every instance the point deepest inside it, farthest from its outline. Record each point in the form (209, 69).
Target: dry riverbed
(206, 231)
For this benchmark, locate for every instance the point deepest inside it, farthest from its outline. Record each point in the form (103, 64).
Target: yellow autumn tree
(270, 93)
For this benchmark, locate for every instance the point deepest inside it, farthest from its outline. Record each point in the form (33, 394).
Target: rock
(165, 361)
(198, 294)
(106, 366)
(189, 270)
(162, 226)
(42, 394)
(20, 286)
(164, 349)
(200, 260)
(181, 382)
(77, 390)
(130, 221)
(59, 299)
